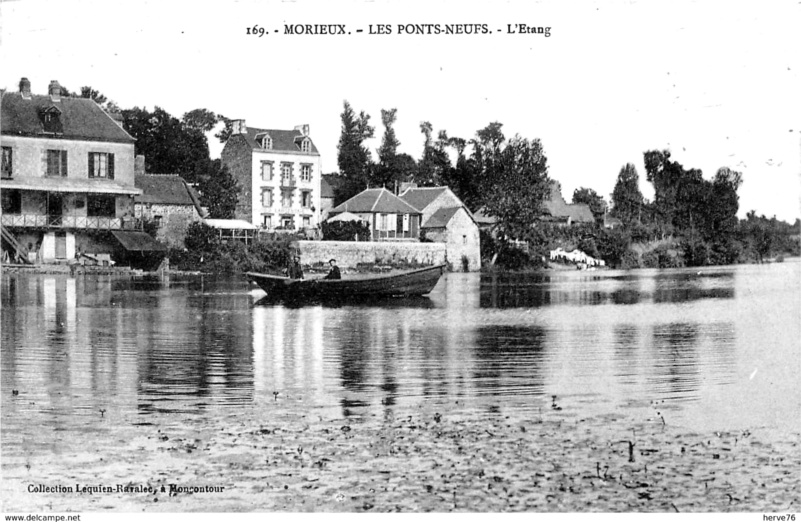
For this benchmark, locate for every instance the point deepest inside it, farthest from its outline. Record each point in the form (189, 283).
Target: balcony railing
(288, 182)
(70, 222)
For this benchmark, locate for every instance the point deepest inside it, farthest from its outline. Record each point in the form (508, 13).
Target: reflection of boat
(407, 283)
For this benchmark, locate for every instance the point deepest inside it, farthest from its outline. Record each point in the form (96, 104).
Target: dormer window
(305, 145)
(51, 120)
(267, 142)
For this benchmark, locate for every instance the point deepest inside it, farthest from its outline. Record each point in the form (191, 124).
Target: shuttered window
(101, 165)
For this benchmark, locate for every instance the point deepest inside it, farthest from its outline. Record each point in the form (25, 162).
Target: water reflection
(492, 342)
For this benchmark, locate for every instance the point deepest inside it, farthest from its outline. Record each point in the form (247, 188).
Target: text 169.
(260, 31)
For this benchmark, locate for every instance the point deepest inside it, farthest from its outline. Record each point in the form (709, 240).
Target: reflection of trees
(675, 361)
(195, 346)
(680, 287)
(509, 360)
(625, 351)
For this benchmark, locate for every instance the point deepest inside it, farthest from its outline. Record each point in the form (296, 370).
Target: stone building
(447, 220)
(170, 202)
(279, 175)
(67, 177)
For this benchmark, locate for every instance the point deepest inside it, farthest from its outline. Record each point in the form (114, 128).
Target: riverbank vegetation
(206, 252)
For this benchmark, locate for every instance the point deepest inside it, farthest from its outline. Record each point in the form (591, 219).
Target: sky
(716, 83)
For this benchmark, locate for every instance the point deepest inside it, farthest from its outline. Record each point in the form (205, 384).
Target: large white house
(279, 175)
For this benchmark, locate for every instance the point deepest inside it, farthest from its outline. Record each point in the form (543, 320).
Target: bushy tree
(627, 200)
(353, 157)
(592, 199)
(219, 191)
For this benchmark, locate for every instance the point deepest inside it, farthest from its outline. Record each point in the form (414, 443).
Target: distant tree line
(692, 221)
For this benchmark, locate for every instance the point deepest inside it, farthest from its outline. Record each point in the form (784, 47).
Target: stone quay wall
(349, 254)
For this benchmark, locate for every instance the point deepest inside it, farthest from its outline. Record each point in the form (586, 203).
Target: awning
(230, 224)
(138, 242)
(85, 186)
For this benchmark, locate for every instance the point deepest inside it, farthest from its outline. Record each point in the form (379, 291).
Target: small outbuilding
(447, 220)
(389, 217)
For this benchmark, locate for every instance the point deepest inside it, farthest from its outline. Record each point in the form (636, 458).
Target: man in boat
(294, 271)
(334, 272)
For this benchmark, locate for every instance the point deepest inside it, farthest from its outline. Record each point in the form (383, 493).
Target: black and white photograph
(288, 257)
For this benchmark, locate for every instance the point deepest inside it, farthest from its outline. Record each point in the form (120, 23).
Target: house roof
(166, 189)
(283, 140)
(230, 224)
(326, 191)
(81, 118)
(422, 197)
(557, 207)
(375, 201)
(481, 218)
(441, 217)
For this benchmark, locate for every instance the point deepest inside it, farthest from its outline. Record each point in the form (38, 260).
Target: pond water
(712, 348)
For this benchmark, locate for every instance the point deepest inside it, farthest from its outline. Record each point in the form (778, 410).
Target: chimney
(239, 127)
(139, 164)
(304, 129)
(25, 88)
(55, 91)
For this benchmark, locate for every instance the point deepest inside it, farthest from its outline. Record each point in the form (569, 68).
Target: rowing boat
(406, 283)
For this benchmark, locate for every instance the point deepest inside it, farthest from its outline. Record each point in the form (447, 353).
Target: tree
(589, 197)
(92, 94)
(202, 120)
(627, 201)
(513, 179)
(392, 167)
(220, 191)
(435, 161)
(353, 157)
(169, 147)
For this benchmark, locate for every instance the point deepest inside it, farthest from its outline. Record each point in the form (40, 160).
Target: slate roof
(166, 189)
(441, 217)
(378, 200)
(557, 207)
(81, 118)
(421, 197)
(483, 219)
(283, 140)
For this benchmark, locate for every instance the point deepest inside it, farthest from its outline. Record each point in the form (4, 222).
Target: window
(286, 198)
(464, 240)
(286, 174)
(104, 206)
(56, 163)
(266, 198)
(305, 199)
(8, 164)
(305, 146)
(406, 222)
(306, 222)
(51, 120)
(267, 221)
(305, 172)
(159, 221)
(12, 201)
(287, 222)
(382, 222)
(267, 142)
(101, 165)
(266, 170)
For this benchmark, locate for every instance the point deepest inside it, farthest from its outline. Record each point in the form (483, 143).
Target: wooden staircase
(19, 251)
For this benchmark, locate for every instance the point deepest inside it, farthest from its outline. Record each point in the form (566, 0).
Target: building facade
(447, 220)
(168, 202)
(279, 175)
(67, 178)
(389, 217)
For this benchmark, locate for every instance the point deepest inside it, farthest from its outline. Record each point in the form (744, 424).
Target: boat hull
(409, 283)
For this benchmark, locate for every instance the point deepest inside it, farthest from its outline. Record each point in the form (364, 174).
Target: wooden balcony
(69, 222)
